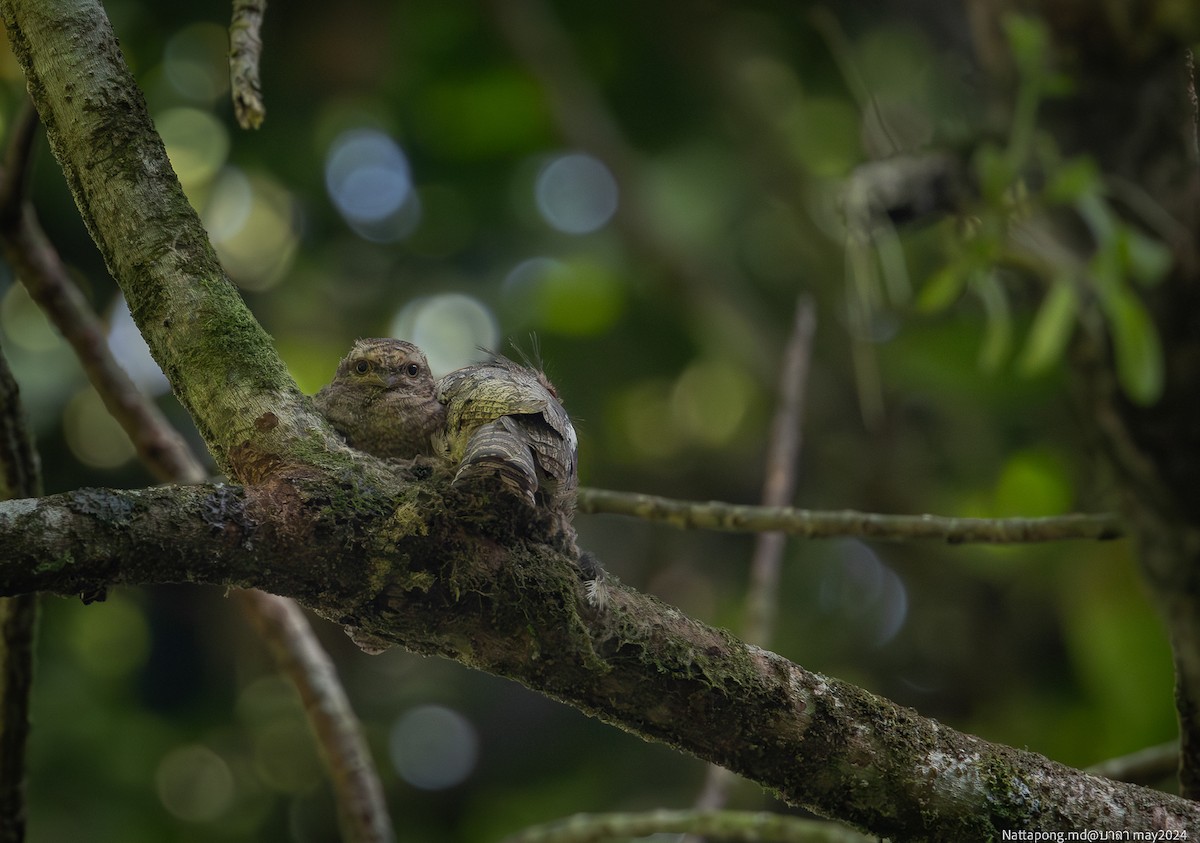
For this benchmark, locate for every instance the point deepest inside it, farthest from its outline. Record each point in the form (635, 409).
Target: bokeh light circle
(197, 143)
(196, 63)
(576, 193)
(433, 747)
(93, 435)
(450, 328)
(367, 175)
(194, 783)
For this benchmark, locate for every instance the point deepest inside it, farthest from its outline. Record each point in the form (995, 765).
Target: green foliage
(1003, 233)
(1139, 353)
(1051, 329)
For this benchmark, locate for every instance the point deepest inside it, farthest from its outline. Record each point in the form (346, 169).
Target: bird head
(386, 365)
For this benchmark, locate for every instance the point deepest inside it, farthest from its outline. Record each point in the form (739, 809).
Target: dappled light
(862, 595)
(24, 323)
(94, 436)
(195, 62)
(197, 144)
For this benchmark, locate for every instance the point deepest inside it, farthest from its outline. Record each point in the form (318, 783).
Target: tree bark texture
(401, 563)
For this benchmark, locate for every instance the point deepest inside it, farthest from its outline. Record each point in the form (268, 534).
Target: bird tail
(496, 451)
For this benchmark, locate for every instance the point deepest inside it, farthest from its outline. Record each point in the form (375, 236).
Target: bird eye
(413, 370)
(362, 367)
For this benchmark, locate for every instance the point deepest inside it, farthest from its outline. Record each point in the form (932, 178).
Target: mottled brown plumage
(383, 400)
(505, 419)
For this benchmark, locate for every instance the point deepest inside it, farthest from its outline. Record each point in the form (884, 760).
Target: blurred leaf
(1033, 483)
(1106, 273)
(495, 113)
(1138, 350)
(825, 135)
(1051, 329)
(997, 337)
(1098, 215)
(1075, 178)
(994, 172)
(942, 289)
(1029, 42)
(1148, 260)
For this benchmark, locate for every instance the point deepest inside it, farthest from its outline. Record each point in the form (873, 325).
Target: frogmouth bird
(383, 400)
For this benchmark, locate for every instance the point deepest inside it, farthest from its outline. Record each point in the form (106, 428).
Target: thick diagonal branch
(401, 563)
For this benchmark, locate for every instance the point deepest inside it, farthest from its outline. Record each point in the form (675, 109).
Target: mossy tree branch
(401, 564)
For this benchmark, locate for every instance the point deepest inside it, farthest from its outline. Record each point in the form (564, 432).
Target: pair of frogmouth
(496, 417)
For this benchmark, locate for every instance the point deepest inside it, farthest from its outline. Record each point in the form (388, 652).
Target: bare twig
(841, 50)
(822, 524)
(168, 456)
(19, 469)
(1190, 66)
(245, 52)
(41, 270)
(19, 478)
(300, 656)
(779, 486)
(1148, 766)
(14, 181)
(732, 826)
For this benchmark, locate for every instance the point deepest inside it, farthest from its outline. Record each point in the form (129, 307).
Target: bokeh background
(645, 222)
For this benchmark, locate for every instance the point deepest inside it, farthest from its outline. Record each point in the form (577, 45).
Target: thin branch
(19, 478)
(1148, 766)
(1190, 67)
(245, 53)
(826, 524)
(20, 474)
(39, 267)
(300, 656)
(14, 181)
(731, 826)
(779, 487)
